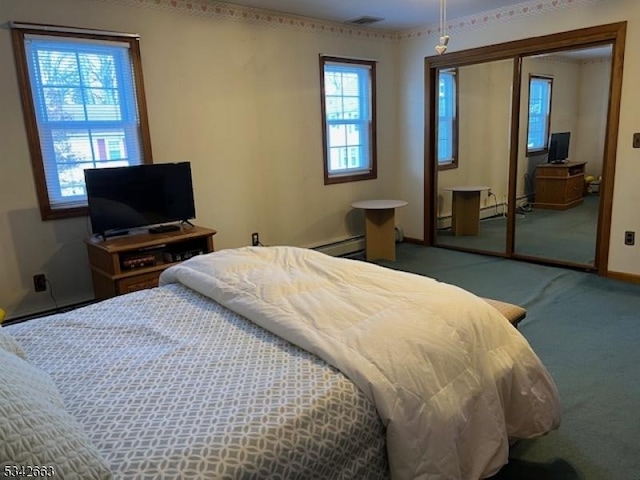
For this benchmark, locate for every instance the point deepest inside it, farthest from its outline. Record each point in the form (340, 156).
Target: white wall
(238, 98)
(512, 24)
(592, 119)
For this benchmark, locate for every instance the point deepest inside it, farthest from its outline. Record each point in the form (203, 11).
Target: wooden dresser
(559, 186)
(134, 262)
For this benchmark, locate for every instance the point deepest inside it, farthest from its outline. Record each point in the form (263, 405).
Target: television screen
(559, 147)
(122, 198)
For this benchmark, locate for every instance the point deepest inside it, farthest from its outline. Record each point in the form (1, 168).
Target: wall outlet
(255, 239)
(629, 238)
(636, 140)
(39, 282)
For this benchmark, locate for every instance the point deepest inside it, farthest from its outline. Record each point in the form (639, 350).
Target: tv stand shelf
(134, 262)
(559, 186)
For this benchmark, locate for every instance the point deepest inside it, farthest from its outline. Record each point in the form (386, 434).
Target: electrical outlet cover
(39, 282)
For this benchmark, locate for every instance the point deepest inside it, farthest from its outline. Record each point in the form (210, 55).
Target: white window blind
(86, 111)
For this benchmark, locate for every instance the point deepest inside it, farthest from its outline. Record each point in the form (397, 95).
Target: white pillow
(35, 428)
(9, 343)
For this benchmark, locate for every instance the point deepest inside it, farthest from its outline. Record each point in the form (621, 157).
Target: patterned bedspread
(451, 379)
(169, 384)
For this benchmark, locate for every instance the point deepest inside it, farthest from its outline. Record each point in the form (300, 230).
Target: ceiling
(396, 14)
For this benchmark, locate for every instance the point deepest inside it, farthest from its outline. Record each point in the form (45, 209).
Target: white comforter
(452, 380)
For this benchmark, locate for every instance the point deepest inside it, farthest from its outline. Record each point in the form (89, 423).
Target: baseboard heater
(352, 245)
(344, 247)
(489, 211)
(485, 212)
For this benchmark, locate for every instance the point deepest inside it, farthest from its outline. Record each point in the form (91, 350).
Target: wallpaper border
(499, 15)
(227, 11)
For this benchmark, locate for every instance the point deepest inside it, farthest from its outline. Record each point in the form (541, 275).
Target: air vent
(365, 20)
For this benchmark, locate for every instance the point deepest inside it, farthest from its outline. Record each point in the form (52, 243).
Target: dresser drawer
(574, 188)
(139, 282)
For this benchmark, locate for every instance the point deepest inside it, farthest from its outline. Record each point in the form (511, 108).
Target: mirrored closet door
(473, 127)
(520, 147)
(563, 109)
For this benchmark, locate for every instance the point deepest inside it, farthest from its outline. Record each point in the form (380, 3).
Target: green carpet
(586, 330)
(568, 235)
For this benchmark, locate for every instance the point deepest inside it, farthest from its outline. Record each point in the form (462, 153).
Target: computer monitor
(559, 147)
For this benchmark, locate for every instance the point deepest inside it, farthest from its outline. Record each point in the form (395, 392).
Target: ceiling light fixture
(444, 36)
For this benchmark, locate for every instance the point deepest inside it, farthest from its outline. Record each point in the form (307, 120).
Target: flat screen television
(123, 198)
(559, 147)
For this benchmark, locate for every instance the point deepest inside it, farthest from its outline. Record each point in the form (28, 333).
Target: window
(349, 119)
(447, 128)
(84, 108)
(539, 114)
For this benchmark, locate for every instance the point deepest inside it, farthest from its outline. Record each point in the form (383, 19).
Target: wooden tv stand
(559, 186)
(134, 262)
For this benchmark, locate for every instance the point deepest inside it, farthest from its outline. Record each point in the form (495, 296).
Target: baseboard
(416, 241)
(44, 313)
(625, 277)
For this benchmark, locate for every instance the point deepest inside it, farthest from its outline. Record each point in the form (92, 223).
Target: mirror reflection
(563, 118)
(473, 132)
(564, 101)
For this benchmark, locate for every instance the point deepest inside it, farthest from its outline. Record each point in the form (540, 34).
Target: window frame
(372, 171)
(18, 34)
(545, 149)
(452, 162)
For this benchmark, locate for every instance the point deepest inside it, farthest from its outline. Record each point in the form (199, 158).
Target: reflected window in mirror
(540, 90)
(447, 119)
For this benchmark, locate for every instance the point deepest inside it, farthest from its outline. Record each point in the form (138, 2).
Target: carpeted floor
(586, 330)
(568, 235)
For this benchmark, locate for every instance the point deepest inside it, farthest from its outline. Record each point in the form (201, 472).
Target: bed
(274, 362)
